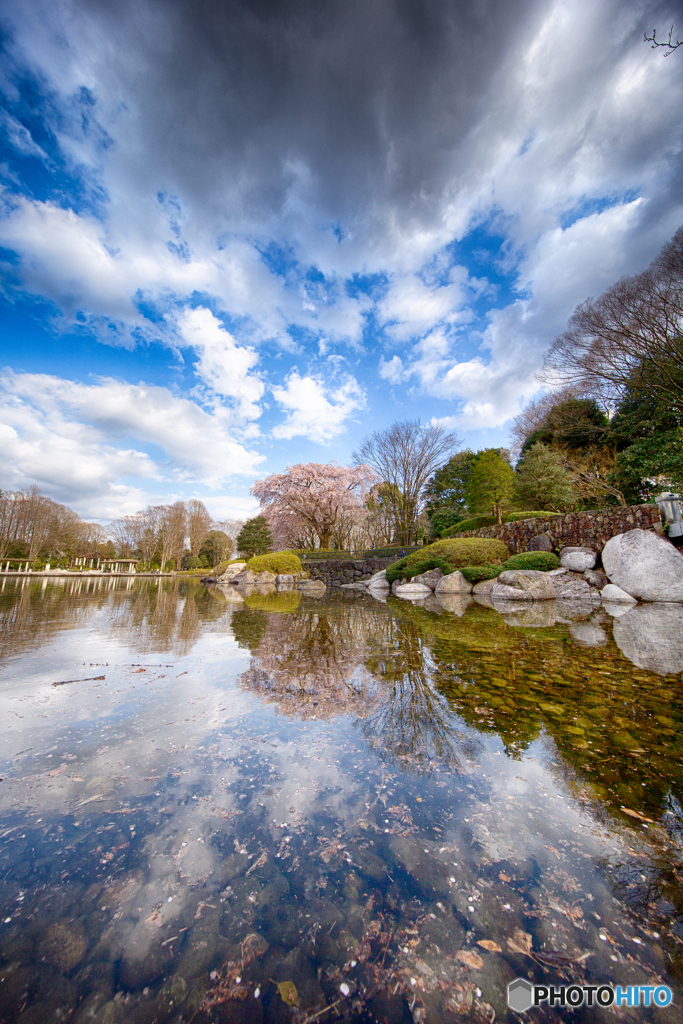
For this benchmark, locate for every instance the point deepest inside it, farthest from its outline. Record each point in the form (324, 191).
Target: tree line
(34, 528)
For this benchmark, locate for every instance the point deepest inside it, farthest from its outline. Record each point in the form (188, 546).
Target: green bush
(476, 573)
(448, 555)
(275, 561)
(478, 522)
(543, 561)
(405, 570)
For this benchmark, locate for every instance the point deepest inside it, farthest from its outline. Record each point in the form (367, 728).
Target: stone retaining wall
(336, 572)
(590, 529)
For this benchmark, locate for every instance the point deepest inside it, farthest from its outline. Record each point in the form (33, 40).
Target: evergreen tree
(542, 481)
(447, 492)
(255, 537)
(491, 484)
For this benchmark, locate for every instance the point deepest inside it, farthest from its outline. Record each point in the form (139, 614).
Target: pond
(243, 806)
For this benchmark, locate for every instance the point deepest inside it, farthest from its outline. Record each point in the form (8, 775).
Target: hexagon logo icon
(520, 995)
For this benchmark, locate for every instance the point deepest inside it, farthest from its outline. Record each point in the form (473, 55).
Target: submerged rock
(523, 585)
(578, 559)
(64, 945)
(645, 565)
(429, 874)
(651, 636)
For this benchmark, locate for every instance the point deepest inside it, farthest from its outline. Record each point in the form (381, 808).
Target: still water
(266, 807)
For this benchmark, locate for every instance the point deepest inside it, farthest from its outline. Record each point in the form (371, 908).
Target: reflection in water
(310, 662)
(395, 809)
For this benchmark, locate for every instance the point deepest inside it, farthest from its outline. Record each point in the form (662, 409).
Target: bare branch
(670, 47)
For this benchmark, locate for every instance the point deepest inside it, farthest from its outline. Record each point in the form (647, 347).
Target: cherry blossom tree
(312, 502)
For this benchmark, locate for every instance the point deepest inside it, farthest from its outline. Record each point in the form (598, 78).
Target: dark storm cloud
(241, 101)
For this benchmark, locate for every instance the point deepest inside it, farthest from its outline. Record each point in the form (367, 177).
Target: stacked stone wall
(590, 529)
(335, 572)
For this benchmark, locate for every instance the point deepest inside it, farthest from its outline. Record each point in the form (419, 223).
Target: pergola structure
(124, 565)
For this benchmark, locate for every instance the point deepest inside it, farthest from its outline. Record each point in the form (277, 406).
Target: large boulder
(573, 588)
(484, 586)
(283, 578)
(578, 559)
(651, 636)
(645, 565)
(454, 583)
(246, 576)
(265, 577)
(429, 579)
(232, 571)
(378, 581)
(523, 585)
(541, 542)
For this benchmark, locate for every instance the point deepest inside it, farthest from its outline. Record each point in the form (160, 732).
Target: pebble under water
(256, 806)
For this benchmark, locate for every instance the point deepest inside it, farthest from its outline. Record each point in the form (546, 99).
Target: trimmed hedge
(453, 554)
(476, 573)
(479, 522)
(275, 561)
(542, 561)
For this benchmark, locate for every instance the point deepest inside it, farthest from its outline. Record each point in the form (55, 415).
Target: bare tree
(629, 339)
(405, 455)
(172, 530)
(199, 523)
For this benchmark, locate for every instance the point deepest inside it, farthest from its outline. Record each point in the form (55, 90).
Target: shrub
(543, 561)
(448, 555)
(461, 551)
(476, 573)
(275, 561)
(406, 570)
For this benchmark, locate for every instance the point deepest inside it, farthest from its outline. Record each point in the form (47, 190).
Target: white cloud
(224, 366)
(74, 441)
(391, 369)
(314, 410)
(412, 307)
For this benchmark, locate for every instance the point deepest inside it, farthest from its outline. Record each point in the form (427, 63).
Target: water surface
(249, 806)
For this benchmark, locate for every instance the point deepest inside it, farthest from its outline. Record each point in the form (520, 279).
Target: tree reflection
(414, 724)
(311, 662)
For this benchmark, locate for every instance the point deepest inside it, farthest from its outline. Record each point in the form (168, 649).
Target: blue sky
(237, 236)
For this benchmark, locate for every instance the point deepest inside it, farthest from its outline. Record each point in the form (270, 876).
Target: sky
(236, 236)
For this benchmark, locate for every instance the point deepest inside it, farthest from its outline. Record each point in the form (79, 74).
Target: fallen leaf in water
(503, 877)
(470, 959)
(489, 945)
(635, 814)
(520, 942)
(288, 993)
